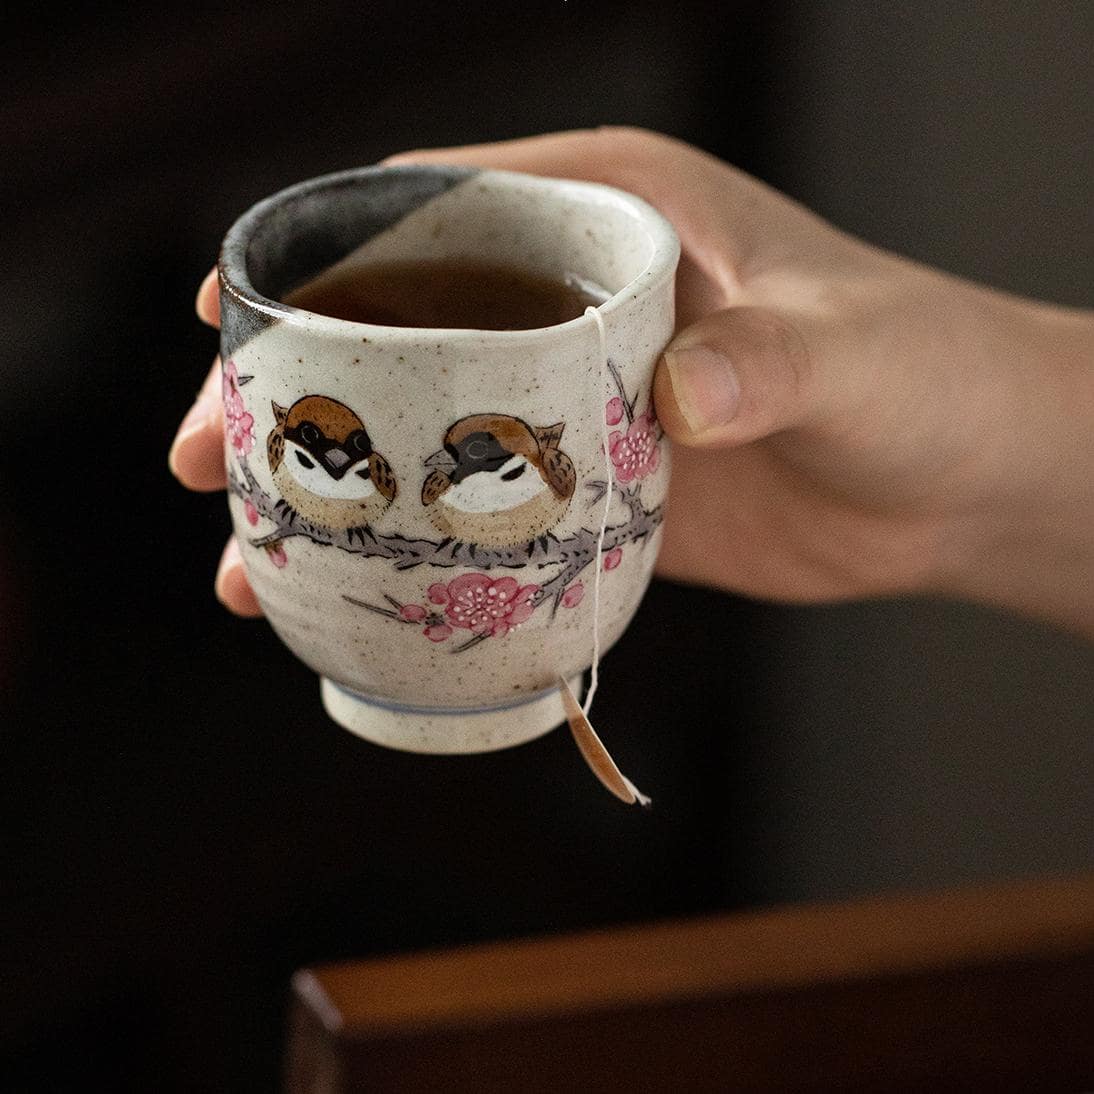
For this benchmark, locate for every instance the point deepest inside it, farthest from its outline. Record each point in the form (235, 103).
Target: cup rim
(234, 278)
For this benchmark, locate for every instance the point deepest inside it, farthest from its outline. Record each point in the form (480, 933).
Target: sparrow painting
(323, 462)
(498, 482)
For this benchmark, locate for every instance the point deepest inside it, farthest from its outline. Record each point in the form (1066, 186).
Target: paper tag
(596, 755)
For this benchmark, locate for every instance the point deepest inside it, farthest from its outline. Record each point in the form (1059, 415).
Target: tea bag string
(588, 743)
(609, 483)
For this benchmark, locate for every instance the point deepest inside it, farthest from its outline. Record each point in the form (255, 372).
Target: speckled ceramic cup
(419, 510)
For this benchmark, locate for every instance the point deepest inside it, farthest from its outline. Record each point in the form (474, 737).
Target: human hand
(848, 423)
(197, 459)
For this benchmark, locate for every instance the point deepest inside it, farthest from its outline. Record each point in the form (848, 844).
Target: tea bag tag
(595, 754)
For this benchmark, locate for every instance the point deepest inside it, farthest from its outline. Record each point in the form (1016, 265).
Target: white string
(594, 678)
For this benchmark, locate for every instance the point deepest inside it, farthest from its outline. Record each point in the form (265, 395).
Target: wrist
(1027, 543)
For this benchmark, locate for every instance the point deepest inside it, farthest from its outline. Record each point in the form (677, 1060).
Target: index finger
(696, 191)
(608, 155)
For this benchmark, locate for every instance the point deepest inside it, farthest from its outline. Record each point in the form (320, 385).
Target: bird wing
(559, 471)
(383, 477)
(436, 483)
(275, 448)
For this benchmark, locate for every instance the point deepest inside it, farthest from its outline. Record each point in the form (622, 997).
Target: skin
(848, 423)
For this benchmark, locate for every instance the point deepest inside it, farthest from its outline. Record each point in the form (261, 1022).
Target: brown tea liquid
(451, 293)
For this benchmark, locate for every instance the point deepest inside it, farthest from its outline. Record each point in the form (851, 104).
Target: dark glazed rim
(235, 279)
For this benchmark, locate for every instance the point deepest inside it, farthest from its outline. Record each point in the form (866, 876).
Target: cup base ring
(445, 730)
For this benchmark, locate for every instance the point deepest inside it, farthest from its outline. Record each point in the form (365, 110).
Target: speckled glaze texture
(348, 556)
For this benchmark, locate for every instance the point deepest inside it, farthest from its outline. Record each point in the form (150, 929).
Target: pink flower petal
(500, 628)
(613, 558)
(437, 632)
(250, 512)
(412, 613)
(521, 613)
(230, 380)
(506, 585)
(613, 412)
(573, 595)
(468, 583)
(239, 432)
(438, 593)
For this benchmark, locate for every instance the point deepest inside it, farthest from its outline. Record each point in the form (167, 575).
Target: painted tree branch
(628, 404)
(573, 553)
(473, 601)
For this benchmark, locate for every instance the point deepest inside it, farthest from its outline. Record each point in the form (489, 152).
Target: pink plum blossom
(230, 380)
(233, 397)
(613, 412)
(484, 605)
(613, 558)
(241, 433)
(250, 512)
(435, 629)
(238, 423)
(573, 595)
(635, 453)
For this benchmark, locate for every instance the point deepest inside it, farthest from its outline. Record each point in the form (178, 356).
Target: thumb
(733, 377)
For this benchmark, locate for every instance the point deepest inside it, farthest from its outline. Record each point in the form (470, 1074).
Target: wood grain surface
(974, 988)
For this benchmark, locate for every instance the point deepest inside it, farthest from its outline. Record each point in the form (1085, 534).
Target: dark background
(182, 826)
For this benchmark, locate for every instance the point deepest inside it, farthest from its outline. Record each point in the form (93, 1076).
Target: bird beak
(441, 459)
(336, 461)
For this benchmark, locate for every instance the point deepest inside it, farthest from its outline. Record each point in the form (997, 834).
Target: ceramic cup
(419, 509)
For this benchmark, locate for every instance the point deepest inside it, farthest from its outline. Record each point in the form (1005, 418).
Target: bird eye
(360, 443)
(516, 473)
(304, 461)
(477, 450)
(309, 434)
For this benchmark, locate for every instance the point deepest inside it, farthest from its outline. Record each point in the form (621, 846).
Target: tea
(448, 293)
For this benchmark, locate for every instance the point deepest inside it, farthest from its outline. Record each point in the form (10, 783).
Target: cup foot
(440, 730)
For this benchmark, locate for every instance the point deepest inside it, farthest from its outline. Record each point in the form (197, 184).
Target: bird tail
(548, 436)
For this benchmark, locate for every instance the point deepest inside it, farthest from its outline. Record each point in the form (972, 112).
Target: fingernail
(705, 386)
(230, 562)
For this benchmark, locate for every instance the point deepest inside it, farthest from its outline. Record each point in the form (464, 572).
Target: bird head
(327, 448)
(492, 462)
